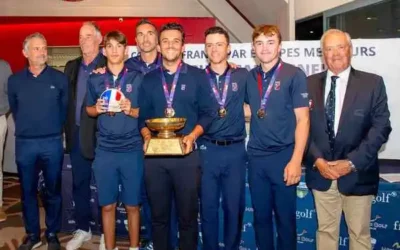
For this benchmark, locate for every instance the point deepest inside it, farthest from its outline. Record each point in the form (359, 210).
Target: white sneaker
(102, 245)
(79, 238)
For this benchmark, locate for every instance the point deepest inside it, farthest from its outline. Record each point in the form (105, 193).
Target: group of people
(333, 122)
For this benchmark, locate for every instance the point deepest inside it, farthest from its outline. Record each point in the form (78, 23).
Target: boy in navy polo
(222, 147)
(119, 154)
(278, 98)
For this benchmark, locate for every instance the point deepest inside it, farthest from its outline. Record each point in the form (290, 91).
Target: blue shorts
(119, 177)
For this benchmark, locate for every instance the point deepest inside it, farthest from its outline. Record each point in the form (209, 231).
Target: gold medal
(169, 112)
(222, 112)
(261, 113)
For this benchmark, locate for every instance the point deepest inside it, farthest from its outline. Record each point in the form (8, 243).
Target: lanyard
(265, 98)
(221, 101)
(120, 82)
(169, 96)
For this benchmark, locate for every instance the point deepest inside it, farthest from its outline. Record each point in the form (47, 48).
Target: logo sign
(373, 243)
(305, 214)
(302, 238)
(302, 190)
(395, 246)
(374, 224)
(396, 226)
(277, 85)
(343, 241)
(129, 88)
(246, 226)
(384, 197)
(234, 87)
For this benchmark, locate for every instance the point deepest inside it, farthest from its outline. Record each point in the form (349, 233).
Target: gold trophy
(166, 142)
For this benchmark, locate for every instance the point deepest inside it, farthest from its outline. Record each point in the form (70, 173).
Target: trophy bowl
(166, 126)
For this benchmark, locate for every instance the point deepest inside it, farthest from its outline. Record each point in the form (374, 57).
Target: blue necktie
(330, 112)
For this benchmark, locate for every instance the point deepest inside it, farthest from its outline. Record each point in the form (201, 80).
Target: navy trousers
(269, 194)
(166, 177)
(81, 176)
(223, 171)
(146, 213)
(32, 155)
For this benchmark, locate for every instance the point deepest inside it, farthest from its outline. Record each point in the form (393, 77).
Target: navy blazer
(88, 128)
(364, 127)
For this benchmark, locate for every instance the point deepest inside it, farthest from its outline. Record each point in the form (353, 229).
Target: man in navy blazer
(349, 124)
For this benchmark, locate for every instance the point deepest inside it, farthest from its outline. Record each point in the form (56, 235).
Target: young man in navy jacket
(119, 154)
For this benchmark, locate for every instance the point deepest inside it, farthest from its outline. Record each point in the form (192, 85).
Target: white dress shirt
(340, 92)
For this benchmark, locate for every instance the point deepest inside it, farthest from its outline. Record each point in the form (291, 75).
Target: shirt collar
(156, 62)
(265, 75)
(111, 75)
(343, 76)
(30, 74)
(92, 65)
(183, 69)
(214, 74)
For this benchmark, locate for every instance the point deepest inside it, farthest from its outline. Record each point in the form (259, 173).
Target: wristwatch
(352, 166)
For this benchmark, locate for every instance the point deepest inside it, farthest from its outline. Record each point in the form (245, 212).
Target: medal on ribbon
(169, 112)
(261, 113)
(221, 100)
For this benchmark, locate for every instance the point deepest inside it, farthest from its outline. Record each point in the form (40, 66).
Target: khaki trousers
(357, 211)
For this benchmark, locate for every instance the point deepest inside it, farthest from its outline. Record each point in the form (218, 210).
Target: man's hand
(342, 167)
(146, 140)
(99, 70)
(134, 112)
(100, 106)
(292, 173)
(125, 105)
(326, 170)
(233, 65)
(188, 140)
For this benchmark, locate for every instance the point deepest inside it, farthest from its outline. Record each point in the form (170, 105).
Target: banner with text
(371, 55)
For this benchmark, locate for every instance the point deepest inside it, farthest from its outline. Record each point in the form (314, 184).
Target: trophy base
(165, 146)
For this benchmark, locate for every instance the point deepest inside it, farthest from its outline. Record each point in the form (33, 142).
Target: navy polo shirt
(118, 133)
(276, 131)
(83, 76)
(232, 126)
(193, 98)
(136, 63)
(38, 104)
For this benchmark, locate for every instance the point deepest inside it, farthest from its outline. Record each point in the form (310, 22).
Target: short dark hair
(145, 21)
(173, 26)
(217, 30)
(117, 36)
